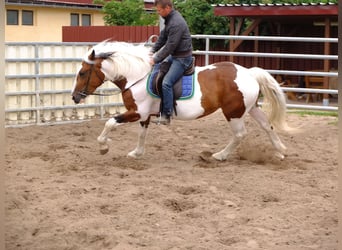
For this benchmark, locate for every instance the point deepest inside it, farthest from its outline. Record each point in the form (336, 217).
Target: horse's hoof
(104, 151)
(279, 155)
(135, 154)
(219, 157)
(132, 155)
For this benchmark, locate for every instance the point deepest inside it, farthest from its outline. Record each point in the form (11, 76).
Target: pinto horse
(225, 85)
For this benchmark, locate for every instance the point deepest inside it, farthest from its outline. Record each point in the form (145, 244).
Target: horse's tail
(274, 101)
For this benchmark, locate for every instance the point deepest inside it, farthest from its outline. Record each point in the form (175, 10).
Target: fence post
(207, 48)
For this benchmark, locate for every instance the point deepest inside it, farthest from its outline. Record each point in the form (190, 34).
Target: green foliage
(200, 17)
(275, 1)
(126, 12)
(314, 112)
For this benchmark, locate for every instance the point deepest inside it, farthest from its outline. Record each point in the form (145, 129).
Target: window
(74, 19)
(12, 17)
(27, 17)
(86, 20)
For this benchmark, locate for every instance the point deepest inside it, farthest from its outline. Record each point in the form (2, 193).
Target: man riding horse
(175, 46)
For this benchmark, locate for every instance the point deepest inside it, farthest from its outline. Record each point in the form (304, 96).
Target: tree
(126, 12)
(200, 17)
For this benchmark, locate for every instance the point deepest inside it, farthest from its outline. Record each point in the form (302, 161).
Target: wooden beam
(256, 46)
(326, 52)
(249, 29)
(276, 11)
(231, 32)
(239, 25)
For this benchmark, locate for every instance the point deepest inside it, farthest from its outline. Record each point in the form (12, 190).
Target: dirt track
(62, 194)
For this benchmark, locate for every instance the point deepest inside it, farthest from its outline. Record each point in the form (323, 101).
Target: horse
(224, 85)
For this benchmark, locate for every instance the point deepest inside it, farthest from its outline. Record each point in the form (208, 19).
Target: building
(42, 20)
(287, 20)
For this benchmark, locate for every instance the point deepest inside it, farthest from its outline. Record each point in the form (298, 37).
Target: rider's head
(163, 7)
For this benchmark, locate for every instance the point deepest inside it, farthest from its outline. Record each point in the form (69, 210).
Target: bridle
(84, 93)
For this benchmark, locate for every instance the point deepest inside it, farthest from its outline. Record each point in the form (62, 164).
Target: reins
(84, 93)
(135, 82)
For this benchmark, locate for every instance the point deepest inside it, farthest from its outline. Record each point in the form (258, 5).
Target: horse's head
(89, 77)
(126, 63)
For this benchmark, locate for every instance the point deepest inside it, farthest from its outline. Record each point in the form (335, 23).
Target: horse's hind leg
(261, 118)
(239, 130)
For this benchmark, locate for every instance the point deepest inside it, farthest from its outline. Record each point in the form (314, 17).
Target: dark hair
(163, 3)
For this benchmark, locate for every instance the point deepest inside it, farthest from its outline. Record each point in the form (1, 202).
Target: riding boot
(163, 120)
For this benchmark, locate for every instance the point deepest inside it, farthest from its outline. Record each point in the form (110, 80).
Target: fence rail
(39, 78)
(325, 103)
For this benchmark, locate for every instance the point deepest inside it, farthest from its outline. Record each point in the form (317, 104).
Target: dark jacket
(175, 37)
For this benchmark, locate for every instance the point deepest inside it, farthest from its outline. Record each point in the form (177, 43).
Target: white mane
(131, 61)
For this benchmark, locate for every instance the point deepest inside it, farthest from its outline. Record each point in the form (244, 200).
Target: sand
(61, 193)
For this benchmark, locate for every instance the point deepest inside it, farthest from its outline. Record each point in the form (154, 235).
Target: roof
(54, 3)
(81, 1)
(66, 3)
(276, 10)
(69, 1)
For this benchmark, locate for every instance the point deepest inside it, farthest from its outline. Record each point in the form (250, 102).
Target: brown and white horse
(224, 85)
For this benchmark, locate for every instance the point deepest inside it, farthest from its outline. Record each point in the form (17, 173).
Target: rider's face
(163, 11)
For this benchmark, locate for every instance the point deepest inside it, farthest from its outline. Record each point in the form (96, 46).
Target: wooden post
(232, 32)
(326, 61)
(256, 45)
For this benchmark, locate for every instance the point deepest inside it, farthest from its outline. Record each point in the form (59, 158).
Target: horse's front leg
(103, 137)
(129, 116)
(140, 148)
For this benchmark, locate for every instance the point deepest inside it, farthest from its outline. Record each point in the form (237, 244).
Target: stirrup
(163, 120)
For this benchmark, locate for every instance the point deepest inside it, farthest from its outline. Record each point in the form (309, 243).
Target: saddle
(182, 89)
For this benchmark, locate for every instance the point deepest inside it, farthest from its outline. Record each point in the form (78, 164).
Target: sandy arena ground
(61, 194)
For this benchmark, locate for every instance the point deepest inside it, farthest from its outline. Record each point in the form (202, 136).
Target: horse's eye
(81, 74)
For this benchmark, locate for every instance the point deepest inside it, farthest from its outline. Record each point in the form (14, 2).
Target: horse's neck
(120, 83)
(128, 75)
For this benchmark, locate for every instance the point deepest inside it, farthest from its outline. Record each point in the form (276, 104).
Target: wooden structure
(296, 20)
(133, 34)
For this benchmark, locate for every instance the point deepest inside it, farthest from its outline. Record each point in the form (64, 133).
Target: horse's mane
(128, 59)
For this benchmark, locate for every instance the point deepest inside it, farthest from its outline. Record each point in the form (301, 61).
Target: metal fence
(325, 102)
(39, 78)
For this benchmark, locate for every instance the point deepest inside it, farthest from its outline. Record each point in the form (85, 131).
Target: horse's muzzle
(77, 98)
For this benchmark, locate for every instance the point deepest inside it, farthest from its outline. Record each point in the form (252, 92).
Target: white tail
(274, 101)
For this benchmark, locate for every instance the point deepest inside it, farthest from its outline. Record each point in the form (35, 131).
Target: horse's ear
(105, 55)
(91, 57)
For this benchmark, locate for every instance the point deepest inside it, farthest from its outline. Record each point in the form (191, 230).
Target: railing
(40, 76)
(39, 79)
(325, 102)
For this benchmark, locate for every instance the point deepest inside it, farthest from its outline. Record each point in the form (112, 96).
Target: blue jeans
(176, 71)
